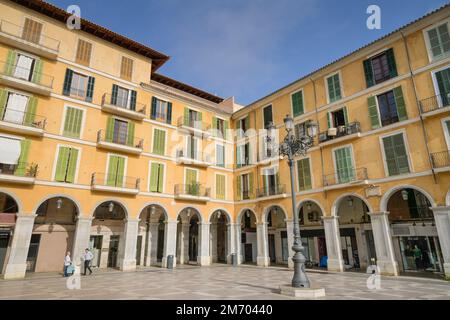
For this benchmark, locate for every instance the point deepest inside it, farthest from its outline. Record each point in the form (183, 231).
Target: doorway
(272, 256)
(33, 252)
(113, 251)
(4, 241)
(138, 250)
(95, 246)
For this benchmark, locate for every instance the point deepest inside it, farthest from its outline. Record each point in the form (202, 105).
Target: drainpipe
(422, 122)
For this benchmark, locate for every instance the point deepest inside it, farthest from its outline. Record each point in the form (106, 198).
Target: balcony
(276, 191)
(21, 173)
(15, 36)
(193, 158)
(114, 183)
(441, 161)
(247, 195)
(192, 126)
(339, 134)
(119, 142)
(192, 192)
(244, 163)
(118, 107)
(435, 105)
(345, 178)
(22, 122)
(25, 79)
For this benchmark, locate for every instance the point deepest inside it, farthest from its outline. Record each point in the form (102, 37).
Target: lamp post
(291, 147)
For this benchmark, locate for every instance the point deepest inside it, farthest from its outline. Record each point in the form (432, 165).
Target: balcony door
(270, 182)
(344, 165)
(120, 132)
(443, 84)
(116, 169)
(15, 108)
(24, 66)
(192, 147)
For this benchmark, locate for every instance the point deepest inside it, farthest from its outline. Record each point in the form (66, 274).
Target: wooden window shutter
(126, 70)
(32, 30)
(84, 51)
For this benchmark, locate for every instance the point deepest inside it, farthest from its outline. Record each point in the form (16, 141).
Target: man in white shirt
(67, 263)
(88, 256)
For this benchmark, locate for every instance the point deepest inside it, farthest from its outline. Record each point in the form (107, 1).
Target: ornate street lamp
(292, 147)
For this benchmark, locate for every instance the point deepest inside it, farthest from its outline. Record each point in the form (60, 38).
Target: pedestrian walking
(67, 264)
(88, 256)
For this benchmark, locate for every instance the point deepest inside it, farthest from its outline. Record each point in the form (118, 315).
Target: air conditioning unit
(332, 132)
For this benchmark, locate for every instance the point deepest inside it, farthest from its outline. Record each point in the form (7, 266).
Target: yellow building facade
(100, 151)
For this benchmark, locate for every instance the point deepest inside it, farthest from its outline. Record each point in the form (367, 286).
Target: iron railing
(245, 163)
(195, 124)
(14, 30)
(339, 132)
(123, 102)
(271, 191)
(193, 189)
(247, 194)
(194, 155)
(161, 117)
(440, 159)
(114, 180)
(21, 169)
(120, 138)
(14, 71)
(23, 118)
(345, 176)
(434, 103)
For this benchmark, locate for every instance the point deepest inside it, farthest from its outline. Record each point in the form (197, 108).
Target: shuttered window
(443, 81)
(32, 31)
(268, 117)
(84, 51)
(396, 155)
(159, 142)
(297, 103)
(304, 174)
(447, 128)
(220, 186)
(116, 171)
(380, 68)
(66, 165)
(156, 177)
(72, 122)
(334, 88)
(220, 155)
(345, 170)
(126, 69)
(439, 41)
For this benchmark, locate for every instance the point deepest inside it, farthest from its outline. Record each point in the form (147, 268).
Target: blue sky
(248, 48)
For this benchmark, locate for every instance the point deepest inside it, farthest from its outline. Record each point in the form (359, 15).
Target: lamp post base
(302, 293)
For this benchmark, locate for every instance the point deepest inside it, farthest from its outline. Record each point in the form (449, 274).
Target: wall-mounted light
(219, 214)
(350, 201)
(405, 195)
(152, 210)
(59, 203)
(247, 214)
(111, 207)
(309, 206)
(188, 212)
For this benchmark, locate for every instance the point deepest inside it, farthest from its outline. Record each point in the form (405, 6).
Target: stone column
(290, 240)
(213, 242)
(383, 243)
(231, 241)
(442, 220)
(263, 247)
(238, 244)
(333, 240)
(81, 239)
(127, 261)
(152, 243)
(170, 242)
(183, 243)
(17, 262)
(203, 258)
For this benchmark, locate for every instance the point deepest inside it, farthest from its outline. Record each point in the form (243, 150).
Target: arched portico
(150, 240)
(220, 233)
(191, 237)
(9, 208)
(247, 246)
(275, 236)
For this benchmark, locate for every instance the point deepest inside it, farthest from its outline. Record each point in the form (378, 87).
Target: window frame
(341, 86)
(63, 120)
(407, 150)
(435, 83)
(78, 73)
(150, 174)
(55, 162)
(446, 131)
(303, 103)
(125, 167)
(427, 40)
(310, 173)
(215, 185)
(153, 141)
(333, 153)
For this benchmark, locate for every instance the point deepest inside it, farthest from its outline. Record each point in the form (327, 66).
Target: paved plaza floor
(217, 282)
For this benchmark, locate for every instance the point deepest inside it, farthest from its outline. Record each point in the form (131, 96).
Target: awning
(9, 150)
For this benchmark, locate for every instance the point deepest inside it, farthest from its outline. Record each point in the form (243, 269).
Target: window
(243, 155)
(270, 181)
(396, 156)
(161, 110)
(32, 31)
(447, 132)
(192, 118)
(242, 126)
(268, 118)
(345, 170)
(24, 67)
(116, 171)
(123, 98)
(78, 85)
(380, 68)
(297, 103)
(220, 127)
(83, 53)
(121, 132)
(245, 186)
(192, 147)
(220, 155)
(192, 185)
(300, 130)
(304, 174)
(14, 156)
(439, 41)
(443, 83)
(126, 69)
(334, 88)
(72, 122)
(159, 142)
(156, 177)
(387, 108)
(220, 186)
(17, 108)
(337, 118)
(66, 164)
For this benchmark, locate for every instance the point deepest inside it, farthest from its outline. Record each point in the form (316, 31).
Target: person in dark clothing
(88, 256)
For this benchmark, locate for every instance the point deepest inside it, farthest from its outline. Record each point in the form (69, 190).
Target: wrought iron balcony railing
(194, 124)
(349, 175)
(194, 155)
(115, 181)
(21, 169)
(243, 163)
(271, 191)
(193, 189)
(341, 131)
(20, 73)
(16, 31)
(434, 103)
(161, 117)
(123, 102)
(23, 118)
(247, 195)
(120, 138)
(440, 159)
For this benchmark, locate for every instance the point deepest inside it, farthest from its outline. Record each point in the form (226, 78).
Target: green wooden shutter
(169, 113)
(153, 108)
(112, 171)
(251, 185)
(226, 129)
(115, 92)
(160, 178)
(297, 103)
(214, 127)
(304, 174)
(154, 175)
(37, 71)
(448, 127)
(72, 166)
(337, 87)
(238, 156)
(109, 129)
(400, 103)
(434, 42)
(220, 154)
(133, 100)
(344, 165)
(130, 134)
(373, 113)
(330, 124)
(396, 156)
(120, 171)
(344, 110)
(391, 63)
(159, 139)
(239, 188)
(220, 186)
(443, 80)
(90, 89)
(247, 122)
(23, 158)
(368, 71)
(67, 82)
(30, 112)
(199, 116)
(265, 184)
(3, 99)
(10, 62)
(61, 164)
(331, 93)
(186, 116)
(72, 123)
